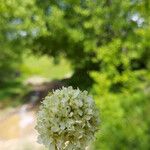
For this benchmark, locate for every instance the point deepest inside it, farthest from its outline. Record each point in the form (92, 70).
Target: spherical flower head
(67, 120)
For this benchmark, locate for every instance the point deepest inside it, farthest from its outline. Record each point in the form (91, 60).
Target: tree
(79, 29)
(82, 29)
(9, 50)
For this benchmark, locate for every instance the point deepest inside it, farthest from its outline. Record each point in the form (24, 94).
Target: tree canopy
(87, 33)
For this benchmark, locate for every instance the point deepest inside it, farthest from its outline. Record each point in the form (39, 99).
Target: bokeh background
(102, 46)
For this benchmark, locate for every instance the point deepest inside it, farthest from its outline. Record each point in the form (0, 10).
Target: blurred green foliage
(107, 43)
(124, 110)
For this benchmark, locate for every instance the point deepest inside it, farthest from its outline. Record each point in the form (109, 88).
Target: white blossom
(67, 120)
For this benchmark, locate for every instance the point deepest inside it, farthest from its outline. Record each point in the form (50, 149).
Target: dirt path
(17, 131)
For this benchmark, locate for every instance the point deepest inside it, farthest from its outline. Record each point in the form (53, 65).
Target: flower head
(67, 119)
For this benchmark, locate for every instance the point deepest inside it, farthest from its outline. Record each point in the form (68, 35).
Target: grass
(44, 66)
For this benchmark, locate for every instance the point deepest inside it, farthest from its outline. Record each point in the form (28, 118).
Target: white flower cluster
(67, 119)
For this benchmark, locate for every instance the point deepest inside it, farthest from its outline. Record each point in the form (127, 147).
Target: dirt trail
(17, 131)
(17, 126)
